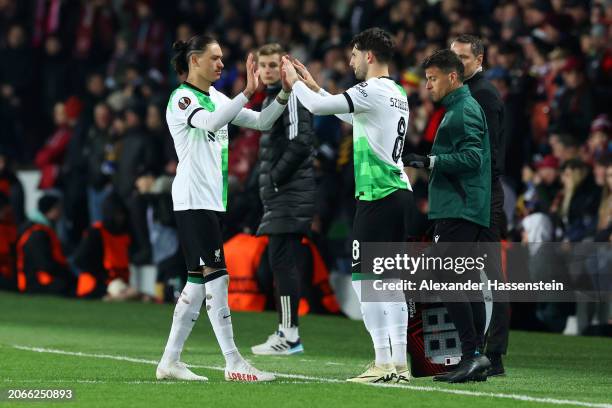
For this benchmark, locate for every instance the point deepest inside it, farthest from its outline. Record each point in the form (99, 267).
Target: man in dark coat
(286, 189)
(470, 51)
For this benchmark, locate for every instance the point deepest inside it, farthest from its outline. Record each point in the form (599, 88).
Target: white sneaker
(571, 326)
(177, 371)
(376, 374)
(247, 373)
(403, 376)
(278, 345)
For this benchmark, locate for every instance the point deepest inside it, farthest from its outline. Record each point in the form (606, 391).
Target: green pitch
(106, 353)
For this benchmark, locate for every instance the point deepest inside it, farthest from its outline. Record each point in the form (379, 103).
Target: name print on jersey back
(380, 122)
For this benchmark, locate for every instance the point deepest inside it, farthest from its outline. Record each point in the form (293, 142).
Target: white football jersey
(198, 124)
(380, 121)
(201, 175)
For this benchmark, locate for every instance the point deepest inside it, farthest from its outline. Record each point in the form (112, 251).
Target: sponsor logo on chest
(220, 135)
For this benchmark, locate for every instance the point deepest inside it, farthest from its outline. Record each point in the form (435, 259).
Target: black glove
(415, 160)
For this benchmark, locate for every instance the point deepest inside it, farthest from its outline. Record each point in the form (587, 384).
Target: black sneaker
(443, 377)
(469, 369)
(497, 366)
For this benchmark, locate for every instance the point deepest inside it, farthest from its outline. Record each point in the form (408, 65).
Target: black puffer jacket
(286, 176)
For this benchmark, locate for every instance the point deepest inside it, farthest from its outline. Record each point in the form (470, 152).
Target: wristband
(284, 95)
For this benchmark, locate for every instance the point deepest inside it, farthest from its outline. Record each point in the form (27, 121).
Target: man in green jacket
(459, 196)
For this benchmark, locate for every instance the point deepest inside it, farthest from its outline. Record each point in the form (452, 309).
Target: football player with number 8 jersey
(378, 110)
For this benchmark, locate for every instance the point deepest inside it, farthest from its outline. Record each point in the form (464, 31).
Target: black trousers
(499, 327)
(287, 259)
(468, 313)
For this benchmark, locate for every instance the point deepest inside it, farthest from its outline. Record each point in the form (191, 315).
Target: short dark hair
(447, 61)
(183, 51)
(568, 140)
(575, 164)
(376, 40)
(476, 44)
(604, 160)
(48, 202)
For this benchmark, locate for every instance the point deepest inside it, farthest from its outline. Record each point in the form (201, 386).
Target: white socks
(398, 332)
(374, 319)
(221, 320)
(291, 333)
(186, 312)
(387, 323)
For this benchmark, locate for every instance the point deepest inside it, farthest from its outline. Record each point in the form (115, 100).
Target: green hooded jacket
(460, 182)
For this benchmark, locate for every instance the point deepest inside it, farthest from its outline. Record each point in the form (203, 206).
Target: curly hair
(376, 40)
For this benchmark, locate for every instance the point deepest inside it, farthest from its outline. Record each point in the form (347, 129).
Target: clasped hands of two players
(252, 72)
(292, 70)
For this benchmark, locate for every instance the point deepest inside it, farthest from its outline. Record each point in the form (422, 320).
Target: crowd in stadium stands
(84, 86)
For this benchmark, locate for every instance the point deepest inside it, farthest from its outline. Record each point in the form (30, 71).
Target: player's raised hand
(286, 85)
(290, 74)
(305, 75)
(252, 76)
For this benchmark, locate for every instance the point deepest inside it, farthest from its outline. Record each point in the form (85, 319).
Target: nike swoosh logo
(225, 317)
(354, 264)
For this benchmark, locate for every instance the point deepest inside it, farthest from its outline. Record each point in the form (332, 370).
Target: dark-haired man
(378, 110)
(459, 197)
(470, 51)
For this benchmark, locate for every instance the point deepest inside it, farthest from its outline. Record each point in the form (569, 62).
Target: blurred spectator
(95, 33)
(578, 201)
(544, 264)
(564, 147)
(547, 183)
(54, 18)
(55, 75)
(11, 12)
(599, 144)
(598, 267)
(149, 39)
(41, 264)
(102, 255)
(156, 200)
(573, 109)
(95, 93)
(50, 158)
(100, 149)
(136, 151)
(604, 218)
(514, 120)
(11, 187)
(16, 65)
(118, 63)
(162, 141)
(8, 239)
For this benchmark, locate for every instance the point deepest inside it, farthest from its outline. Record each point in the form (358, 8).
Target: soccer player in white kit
(197, 116)
(378, 110)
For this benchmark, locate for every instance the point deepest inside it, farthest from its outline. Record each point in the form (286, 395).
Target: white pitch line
(516, 397)
(162, 382)
(9, 380)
